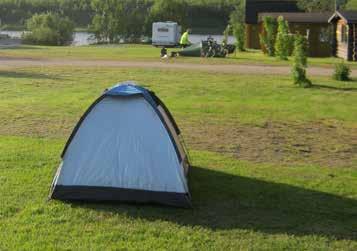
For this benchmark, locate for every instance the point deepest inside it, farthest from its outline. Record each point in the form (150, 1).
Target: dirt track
(236, 68)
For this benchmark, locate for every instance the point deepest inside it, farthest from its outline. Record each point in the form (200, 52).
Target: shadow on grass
(32, 75)
(327, 87)
(224, 201)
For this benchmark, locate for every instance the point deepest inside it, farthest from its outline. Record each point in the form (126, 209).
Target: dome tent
(126, 147)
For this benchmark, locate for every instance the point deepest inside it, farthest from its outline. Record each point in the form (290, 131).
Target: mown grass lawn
(149, 53)
(297, 192)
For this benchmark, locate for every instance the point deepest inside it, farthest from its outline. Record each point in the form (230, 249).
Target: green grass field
(274, 166)
(148, 52)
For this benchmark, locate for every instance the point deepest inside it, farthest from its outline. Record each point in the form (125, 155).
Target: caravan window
(163, 29)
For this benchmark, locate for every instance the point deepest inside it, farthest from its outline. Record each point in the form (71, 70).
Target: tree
(134, 19)
(320, 5)
(106, 21)
(79, 11)
(300, 62)
(170, 10)
(351, 5)
(49, 29)
(117, 20)
(282, 43)
(267, 38)
(239, 34)
(238, 26)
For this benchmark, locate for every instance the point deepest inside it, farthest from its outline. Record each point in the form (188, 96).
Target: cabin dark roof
(253, 7)
(349, 16)
(299, 17)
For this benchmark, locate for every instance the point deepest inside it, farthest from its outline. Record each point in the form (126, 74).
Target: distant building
(314, 25)
(252, 10)
(344, 43)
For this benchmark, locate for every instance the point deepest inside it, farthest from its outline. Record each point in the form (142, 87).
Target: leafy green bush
(239, 34)
(300, 62)
(267, 38)
(342, 72)
(299, 76)
(291, 44)
(237, 22)
(226, 34)
(48, 29)
(282, 43)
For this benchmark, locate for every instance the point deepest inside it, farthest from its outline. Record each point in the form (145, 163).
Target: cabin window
(325, 35)
(344, 33)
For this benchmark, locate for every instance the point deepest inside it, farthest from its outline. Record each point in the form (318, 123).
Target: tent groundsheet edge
(99, 194)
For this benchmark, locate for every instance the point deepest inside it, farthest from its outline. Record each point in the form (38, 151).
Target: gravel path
(236, 68)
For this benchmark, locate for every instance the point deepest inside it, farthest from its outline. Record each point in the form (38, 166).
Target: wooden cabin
(344, 43)
(252, 10)
(314, 25)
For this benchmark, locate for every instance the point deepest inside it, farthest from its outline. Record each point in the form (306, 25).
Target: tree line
(117, 20)
(199, 12)
(16, 12)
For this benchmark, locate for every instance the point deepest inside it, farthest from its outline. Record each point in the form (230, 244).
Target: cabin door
(342, 39)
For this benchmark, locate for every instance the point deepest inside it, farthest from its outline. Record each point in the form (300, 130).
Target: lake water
(86, 38)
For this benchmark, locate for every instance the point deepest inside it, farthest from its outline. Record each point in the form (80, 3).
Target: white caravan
(166, 34)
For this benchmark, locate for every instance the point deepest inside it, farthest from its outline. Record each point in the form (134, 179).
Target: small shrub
(342, 72)
(282, 39)
(226, 33)
(299, 76)
(267, 38)
(239, 34)
(300, 62)
(237, 21)
(48, 29)
(291, 44)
